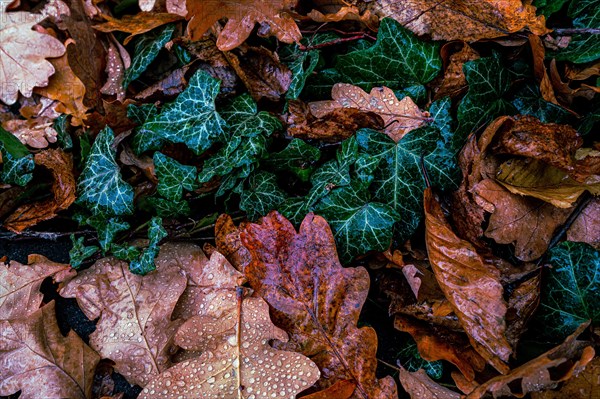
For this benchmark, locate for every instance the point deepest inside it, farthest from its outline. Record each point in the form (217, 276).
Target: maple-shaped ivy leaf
(397, 59)
(173, 177)
(572, 292)
(261, 196)
(145, 263)
(101, 187)
(192, 118)
(143, 138)
(359, 225)
(583, 47)
(17, 162)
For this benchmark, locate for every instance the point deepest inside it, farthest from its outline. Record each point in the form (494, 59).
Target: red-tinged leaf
(419, 386)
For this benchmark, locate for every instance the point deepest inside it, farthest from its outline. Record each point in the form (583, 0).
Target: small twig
(44, 235)
(584, 200)
(575, 31)
(336, 41)
(424, 172)
(388, 364)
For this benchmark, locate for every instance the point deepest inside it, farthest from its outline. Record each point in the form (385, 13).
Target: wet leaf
(137, 24)
(419, 385)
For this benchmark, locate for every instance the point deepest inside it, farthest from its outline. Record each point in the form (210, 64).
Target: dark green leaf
(411, 360)
(12, 145)
(549, 7)
(165, 207)
(145, 263)
(261, 196)
(294, 209)
(63, 138)
(244, 119)
(15, 170)
(583, 47)
(529, 101)
(107, 228)
(80, 252)
(144, 139)
(173, 177)
(298, 158)
(101, 187)
(397, 59)
(147, 48)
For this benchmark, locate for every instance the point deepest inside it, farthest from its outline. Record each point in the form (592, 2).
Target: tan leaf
(35, 132)
(232, 331)
(343, 389)
(20, 294)
(523, 301)
(583, 385)
(539, 69)
(316, 300)
(463, 19)
(60, 166)
(472, 286)
(136, 24)
(134, 327)
(419, 386)
(544, 372)
(36, 359)
(346, 13)
(454, 82)
(242, 16)
(586, 228)
(23, 53)
(399, 116)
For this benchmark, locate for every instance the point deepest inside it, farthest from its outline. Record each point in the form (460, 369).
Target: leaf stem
(363, 35)
(575, 31)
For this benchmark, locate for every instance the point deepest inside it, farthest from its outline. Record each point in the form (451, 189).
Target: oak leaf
(38, 360)
(315, 300)
(419, 386)
(243, 15)
(36, 132)
(136, 24)
(23, 54)
(399, 116)
(484, 19)
(471, 285)
(583, 385)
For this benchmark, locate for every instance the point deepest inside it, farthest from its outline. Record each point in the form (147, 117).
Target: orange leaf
(136, 24)
(419, 386)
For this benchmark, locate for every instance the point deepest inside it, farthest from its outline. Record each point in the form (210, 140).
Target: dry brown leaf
(539, 69)
(134, 327)
(136, 24)
(229, 243)
(583, 385)
(346, 13)
(454, 82)
(565, 92)
(35, 132)
(23, 53)
(315, 300)
(582, 72)
(60, 166)
(20, 294)
(343, 389)
(232, 331)
(463, 19)
(586, 228)
(523, 301)
(544, 372)
(419, 386)
(399, 116)
(38, 360)
(117, 61)
(527, 223)
(335, 126)
(242, 15)
(472, 286)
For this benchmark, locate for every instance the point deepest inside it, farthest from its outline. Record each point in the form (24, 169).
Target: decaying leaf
(20, 294)
(419, 386)
(315, 300)
(583, 385)
(23, 53)
(454, 82)
(34, 132)
(399, 116)
(243, 15)
(586, 228)
(346, 13)
(136, 24)
(60, 165)
(471, 285)
(228, 241)
(36, 359)
(463, 19)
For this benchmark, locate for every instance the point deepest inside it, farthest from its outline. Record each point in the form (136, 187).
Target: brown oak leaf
(419, 386)
(136, 24)
(36, 359)
(315, 300)
(471, 285)
(584, 385)
(454, 82)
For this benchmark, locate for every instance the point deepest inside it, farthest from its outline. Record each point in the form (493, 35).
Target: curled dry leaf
(343, 389)
(20, 294)
(523, 301)
(485, 19)
(136, 24)
(583, 385)
(472, 286)
(346, 13)
(315, 300)
(242, 16)
(399, 116)
(23, 53)
(117, 61)
(544, 372)
(539, 69)
(36, 359)
(60, 165)
(419, 386)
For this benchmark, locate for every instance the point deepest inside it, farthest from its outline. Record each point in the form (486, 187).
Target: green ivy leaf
(80, 252)
(166, 207)
(243, 118)
(397, 59)
(191, 119)
(145, 263)
(173, 177)
(107, 229)
(298, 158)
(488, 82)
(17, 162)
(529, 101)
(548, 7)
(411, 359)
(261, 196)
(358, 224)
(294, 209)
(144, 139)
(583, 47)
(101, 187)
(146, 49)
(63, 138)
(571, 295)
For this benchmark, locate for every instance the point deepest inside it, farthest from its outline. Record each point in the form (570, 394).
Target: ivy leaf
(243, 119)
(144, 139)
(488, 81)
(572, 292)
(145, 263)
(583, 47)
(80, 252)
(398, 58)
(548, 7)
(191, 119)
(410, 359)
(529, 101)
(147, 48)
(297, 158)
(262, 195)
(358, 224)
(15, 170)
(167, 207)
(294, 209)
(173, 177)
(101, 187)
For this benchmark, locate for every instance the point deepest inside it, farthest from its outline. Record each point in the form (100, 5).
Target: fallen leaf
(582, 72)
(523, 301)
(346, 13)
(544, 372)
(586, 228)
(472, 286)
(242, 16)
(136, 24)
(565, 92)
(60, 166)
(20, 294)
(399, 116)
(23, 53)
(36, 359)
(229, 243)
(419, 386)
(35, 132)
(343, 389)
(117, 61)
(582, 385)
(454, 82)
(315, 300)
(486, 19)
(539, 69)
